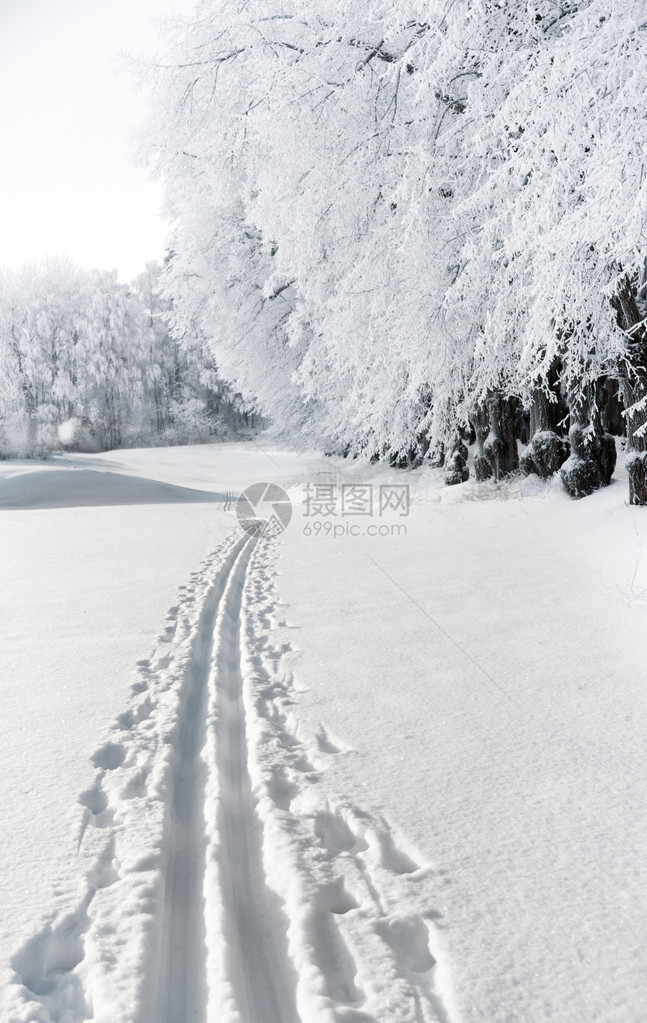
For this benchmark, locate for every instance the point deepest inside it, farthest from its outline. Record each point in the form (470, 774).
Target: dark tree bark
(633, 371)
(545, 454)
(481, 422)
(522, 425)
(413, 456)
(611, 407)
(592, 460)
(593, 452)
(636, 465)
(633, 388)
(467, 434)
(456, 470)
(547, 450)
(501, 447)
(436, 456)
(545, 409)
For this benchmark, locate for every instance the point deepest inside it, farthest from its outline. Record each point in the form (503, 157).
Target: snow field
(488, 671)
(100, 961)
(481, 683)
(219, 878)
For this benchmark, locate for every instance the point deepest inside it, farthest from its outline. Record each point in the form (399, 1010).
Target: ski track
(220, 880)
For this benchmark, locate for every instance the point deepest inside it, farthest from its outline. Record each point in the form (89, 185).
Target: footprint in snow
(301, 763)
(95, 800)
(334, 959)
(334, 898)
(135, 715)
(408, 938)
(324, 743)
(334, 833)
(390, 857)
(45, 963)
(281, 789)
(109, 756)
(286, 740)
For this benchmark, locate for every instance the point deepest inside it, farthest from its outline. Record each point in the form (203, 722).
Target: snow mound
(76, 488)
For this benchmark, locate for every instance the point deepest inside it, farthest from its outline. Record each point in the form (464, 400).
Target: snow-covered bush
(591, 463)
(636, 466)
(545, 454)
(456, 470)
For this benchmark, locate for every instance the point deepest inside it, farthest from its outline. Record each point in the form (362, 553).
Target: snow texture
(356, 778)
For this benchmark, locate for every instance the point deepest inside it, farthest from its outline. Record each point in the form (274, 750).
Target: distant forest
(88, 363)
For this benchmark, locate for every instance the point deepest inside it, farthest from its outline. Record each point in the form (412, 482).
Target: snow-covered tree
(79, 348)
(392, 222)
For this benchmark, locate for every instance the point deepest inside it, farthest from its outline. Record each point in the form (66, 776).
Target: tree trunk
(501, 447)
(611, 406)
(481, 422)
(456, 470)
(547, 451)
(593, 452)
(544, 410)
(633, 388)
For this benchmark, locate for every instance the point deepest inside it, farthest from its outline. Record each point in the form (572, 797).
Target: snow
(67, 431)
(421, 753)
(488, 672)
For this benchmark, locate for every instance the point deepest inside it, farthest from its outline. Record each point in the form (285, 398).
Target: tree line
(87, 362)
(404, 227)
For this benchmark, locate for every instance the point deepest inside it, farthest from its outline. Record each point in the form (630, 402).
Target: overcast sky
(67, 113)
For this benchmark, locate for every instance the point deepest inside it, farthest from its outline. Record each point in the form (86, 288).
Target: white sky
(67, 114)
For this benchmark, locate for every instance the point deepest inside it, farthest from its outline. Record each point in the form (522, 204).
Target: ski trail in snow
(138, 928)
(211, 752)
(363, 929)
(245, 943)
(183, 980)
(221, 881)
(182, 983)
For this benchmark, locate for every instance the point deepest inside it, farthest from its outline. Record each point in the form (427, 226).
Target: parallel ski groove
(182, 983)
(256, 963)
(222, 881)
